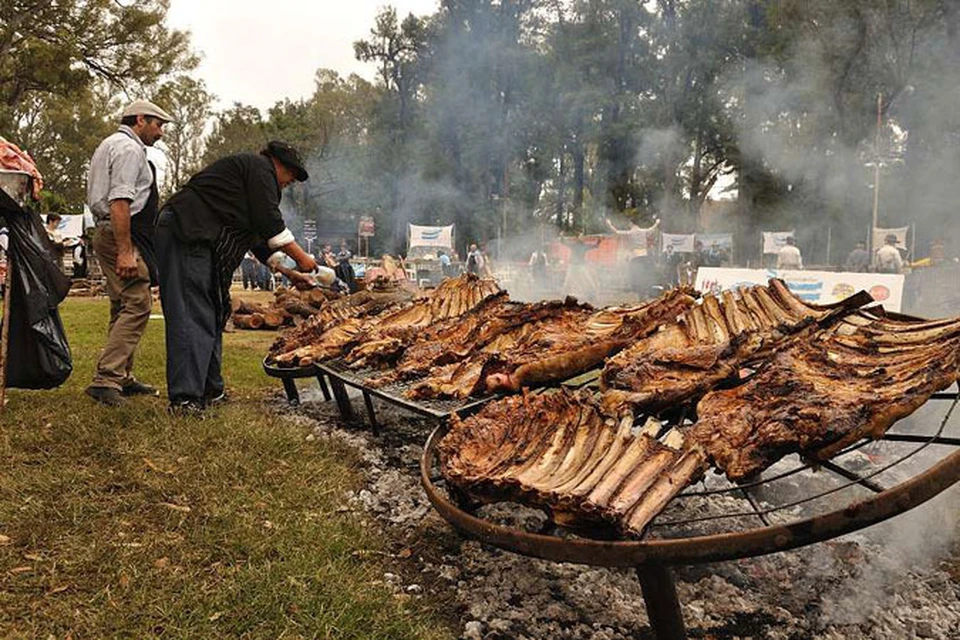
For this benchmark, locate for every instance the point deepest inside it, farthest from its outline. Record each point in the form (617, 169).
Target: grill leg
(290, 388)
(663, 606)
(368, 401)
(343, 401)
(323, 387)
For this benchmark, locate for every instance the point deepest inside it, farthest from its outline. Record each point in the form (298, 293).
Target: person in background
(56, 238)
(204, 230)
(670, 264)
(637, 240)
(344, 269)
(122, 195)
(938, 251)
(327, 258)
(789, 256)
(80, 259)
(538, 264)
(446, 265)
(889, 259)
(859, 259)
(53, 222)
(579, 281)
(714, 256)
(474, 263)
(486, 268)
(248, 271)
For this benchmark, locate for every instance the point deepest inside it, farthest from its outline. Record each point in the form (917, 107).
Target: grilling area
(775, 548)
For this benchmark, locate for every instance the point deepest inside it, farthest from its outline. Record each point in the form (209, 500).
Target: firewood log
(250, 321)
(272, 319)
(245, 307)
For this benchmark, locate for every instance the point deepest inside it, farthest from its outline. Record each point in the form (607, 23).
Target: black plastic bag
(38, 356)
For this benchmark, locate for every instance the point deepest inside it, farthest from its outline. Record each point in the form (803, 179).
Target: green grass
(129, 523)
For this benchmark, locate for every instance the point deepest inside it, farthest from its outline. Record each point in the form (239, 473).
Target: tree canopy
(505, 116)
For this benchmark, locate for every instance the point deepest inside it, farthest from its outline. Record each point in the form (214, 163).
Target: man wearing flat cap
(122, 194)
(204, 230)
(889, 259)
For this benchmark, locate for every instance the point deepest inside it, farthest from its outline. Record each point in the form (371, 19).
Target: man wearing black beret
(203, 232)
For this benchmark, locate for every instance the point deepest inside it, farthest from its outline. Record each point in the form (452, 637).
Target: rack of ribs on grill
(551, 350)
(559, 452)
(391, 330)
(385, 340)
(710, 343)
(453, 341)
(362, 304)
(848, 382)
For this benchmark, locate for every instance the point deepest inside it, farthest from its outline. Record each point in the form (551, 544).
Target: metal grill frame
(652, 558)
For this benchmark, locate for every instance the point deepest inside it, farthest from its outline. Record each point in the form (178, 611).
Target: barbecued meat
(328, 345)
(552, 349)
(362, 304)
(453, 341)
(822, 394)
(709, 344)
(384, 341)
(559, 452)
(388, 332)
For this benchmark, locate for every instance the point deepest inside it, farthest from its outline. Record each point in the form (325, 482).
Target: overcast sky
(258, 52)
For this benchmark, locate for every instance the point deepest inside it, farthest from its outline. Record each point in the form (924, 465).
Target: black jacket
(239, 192)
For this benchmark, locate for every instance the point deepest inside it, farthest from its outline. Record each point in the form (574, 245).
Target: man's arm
(126, 266)
(304, 260)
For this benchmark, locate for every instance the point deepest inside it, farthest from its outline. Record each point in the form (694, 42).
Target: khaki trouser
(130, 304)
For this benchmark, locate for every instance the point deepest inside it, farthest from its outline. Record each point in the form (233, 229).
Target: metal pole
(829, 237)
(876, 170)
(663, 606)
(913, 243)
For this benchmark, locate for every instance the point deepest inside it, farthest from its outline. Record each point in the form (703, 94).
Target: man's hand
(306, 263)
(301, 281)
(127, 264)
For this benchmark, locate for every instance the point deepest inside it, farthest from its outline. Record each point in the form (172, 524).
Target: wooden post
(5, 338)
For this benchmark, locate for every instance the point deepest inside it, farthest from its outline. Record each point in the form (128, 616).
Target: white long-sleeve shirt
(789, 258)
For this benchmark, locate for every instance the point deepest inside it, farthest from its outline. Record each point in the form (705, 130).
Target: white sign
(431, 236)
(70, 226)
(773, 241)
(815, 287)
(681, 242)
(722, 240)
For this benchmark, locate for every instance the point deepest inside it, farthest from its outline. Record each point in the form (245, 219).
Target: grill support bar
(850, 475)
(663, 605)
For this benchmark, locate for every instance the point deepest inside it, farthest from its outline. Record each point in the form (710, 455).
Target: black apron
(142, 226)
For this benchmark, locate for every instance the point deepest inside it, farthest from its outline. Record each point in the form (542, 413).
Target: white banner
(773, 241)
(71, 226)
(431, 236)
(722, 240)
(816, 287)
(880, 237)
(681, 242)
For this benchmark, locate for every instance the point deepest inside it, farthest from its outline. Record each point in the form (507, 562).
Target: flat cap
(146, 108)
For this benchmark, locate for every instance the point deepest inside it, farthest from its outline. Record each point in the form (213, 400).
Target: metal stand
(343, 400)
(663, 606)
(368, 401)
(288, 377)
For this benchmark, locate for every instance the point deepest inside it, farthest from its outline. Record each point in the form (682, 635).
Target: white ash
(895, 580)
